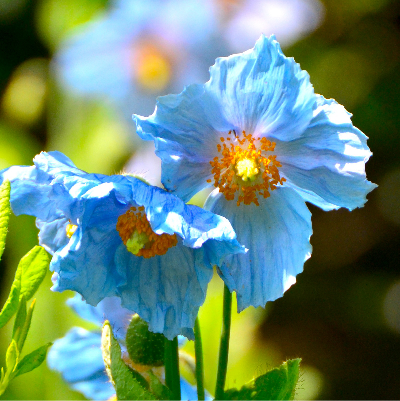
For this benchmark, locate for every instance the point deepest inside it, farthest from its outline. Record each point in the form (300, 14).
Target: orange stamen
(244, 167)
(135, 222)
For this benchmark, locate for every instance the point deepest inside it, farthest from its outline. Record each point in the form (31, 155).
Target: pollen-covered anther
(246, 166)
(138, 236)
(70, 229)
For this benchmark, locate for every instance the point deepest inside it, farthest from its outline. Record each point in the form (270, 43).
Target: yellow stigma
(246, 166)
(152, 68)
(138, 236)
(70, 229)
(247, 169)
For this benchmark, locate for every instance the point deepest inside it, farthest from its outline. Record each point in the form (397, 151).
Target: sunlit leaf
(5, 211)
(129, 385)
(32, 360)
(277, 384)
(33, 268)
(11, 305)
(19, 320)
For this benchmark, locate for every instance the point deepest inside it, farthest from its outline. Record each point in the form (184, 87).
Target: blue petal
(31, 189)
(259, 91)
(77, 356)
(52, 235)
(166, 291)
(108, 309)
(277, 235)
(326, 165)
(263, 92)
(186, 129)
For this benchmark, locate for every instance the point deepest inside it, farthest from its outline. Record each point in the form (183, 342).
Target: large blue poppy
(258, 133)
(118, 236)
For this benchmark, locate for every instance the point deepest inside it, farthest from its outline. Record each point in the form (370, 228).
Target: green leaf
(33, 268)
(26, 326)
(32, 360)
(31, 271)
(129, 385)
(11, 305)
(12, 356)
(5, 211)
(19, 320)
(161, 391)
(277, 384)
(144, 347)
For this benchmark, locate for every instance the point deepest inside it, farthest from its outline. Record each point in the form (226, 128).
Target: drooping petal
(277, 235)
(86, 264)
(77, 356)
(166, 291)
(326, 165)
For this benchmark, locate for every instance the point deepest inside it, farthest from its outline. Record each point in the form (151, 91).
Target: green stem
(224, 345)
(198, 350)
(172, 376)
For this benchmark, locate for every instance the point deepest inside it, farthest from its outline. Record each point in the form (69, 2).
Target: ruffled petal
(186, 129)
(77, 356)
(166, 291)
(263, 92)
(326, 165)
(52, 235)
(277, 234)
(86, 264)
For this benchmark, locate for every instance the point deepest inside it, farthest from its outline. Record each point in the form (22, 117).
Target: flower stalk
(224, 344)
(172, 375)
(198, 349)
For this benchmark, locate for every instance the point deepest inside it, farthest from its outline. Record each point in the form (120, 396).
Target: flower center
(244, 166)
(152, 68)
(138, 236)
(70, 229)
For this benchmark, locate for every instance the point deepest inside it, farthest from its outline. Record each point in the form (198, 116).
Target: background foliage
(342, 317)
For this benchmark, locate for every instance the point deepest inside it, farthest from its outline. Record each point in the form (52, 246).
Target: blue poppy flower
(118, 236)
(78, 356)
(258, 133)
(139, 49)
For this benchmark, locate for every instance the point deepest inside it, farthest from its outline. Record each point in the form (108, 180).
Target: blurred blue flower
(118, 236)
(140, 49)
(258, 132)
(78, 357)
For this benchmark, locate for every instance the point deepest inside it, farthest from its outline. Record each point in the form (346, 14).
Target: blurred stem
(224, 345)
(198, 350)
(172, 375)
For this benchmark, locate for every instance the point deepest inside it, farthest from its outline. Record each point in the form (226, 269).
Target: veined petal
(166, 291)
(186, 129)
(77, 356)
(263, 92)
(326, 165)
(52, 235)
(277, 234)
(86, 264)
